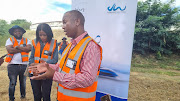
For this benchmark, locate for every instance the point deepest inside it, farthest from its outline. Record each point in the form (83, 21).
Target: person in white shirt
(18, 49)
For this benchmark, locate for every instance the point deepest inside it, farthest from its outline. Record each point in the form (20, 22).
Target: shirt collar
(76, 40)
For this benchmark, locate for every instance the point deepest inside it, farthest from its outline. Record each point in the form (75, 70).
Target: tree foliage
(3, 27)
(21, 22)
(157, 27)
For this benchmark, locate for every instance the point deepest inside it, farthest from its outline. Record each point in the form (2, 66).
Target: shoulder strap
(34, 43)
(12, 39)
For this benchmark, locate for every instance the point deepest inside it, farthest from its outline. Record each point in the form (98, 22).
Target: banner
(111, 23)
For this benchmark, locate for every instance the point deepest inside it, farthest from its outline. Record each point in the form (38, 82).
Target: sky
(37, 11)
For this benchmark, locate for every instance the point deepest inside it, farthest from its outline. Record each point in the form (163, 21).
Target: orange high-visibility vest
(61, 44)
(47, 52)
(24, 55)
(77, 94)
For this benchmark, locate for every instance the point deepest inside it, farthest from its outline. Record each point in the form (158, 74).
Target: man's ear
(77, 22)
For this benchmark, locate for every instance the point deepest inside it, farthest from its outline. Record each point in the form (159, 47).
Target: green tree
(157, 27)
(3, 27)
(4, 34)
(21, 22)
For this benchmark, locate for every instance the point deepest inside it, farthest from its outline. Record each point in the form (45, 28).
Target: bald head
(73, 23)
(75, 14)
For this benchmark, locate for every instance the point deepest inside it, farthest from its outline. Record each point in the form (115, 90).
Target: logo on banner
(115, 9)
(80, 9)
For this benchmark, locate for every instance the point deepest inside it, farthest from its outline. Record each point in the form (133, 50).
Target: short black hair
(77, 15)
(47, 29)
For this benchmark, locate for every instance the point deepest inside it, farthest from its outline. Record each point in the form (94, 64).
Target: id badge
(46, 52)
(71, 63)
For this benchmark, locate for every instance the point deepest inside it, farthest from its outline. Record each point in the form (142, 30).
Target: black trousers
(41, 89)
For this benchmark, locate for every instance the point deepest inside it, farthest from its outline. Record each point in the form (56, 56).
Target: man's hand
(38, 68)
(42, 61)
(17, 47)
(34, 64)
(24, 49)
(12, 50)
(49, 72)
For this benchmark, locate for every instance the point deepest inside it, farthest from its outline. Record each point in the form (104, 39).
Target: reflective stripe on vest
(51, 48)
(78, 93)
(24, 40)
(12, 40)
(35, 42)
(9, 56)
(24, 55)
(45, 59)
(36, 58)
(66, 49)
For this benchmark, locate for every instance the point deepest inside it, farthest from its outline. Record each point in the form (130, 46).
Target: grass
(155, 71)
(168, 65)
(3, 39)
(154, 80)
(167, 62)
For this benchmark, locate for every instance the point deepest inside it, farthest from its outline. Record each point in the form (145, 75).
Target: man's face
(18, 33)
(69, 25)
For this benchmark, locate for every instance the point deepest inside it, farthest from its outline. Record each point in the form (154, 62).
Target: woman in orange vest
(45, 48)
